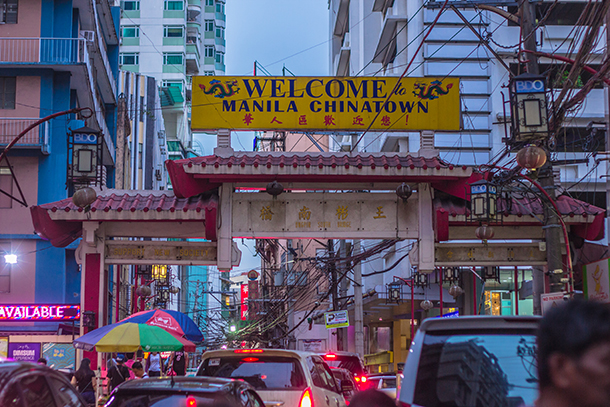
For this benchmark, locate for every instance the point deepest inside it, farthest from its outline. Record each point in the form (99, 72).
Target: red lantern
(84, 197)
(485, 232)
(531, 157)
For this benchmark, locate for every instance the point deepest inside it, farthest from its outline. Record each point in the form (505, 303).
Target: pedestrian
(371, 398)
(42, 361)
(178, 361)
(138, 371)
(119, 372)
(154, 364)
(85, 381)
(574, 355)
(129, 361)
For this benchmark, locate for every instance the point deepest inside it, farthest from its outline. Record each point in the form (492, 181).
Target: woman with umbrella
(85, 381)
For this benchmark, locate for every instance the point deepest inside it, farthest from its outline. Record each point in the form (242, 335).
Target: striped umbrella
(130, 337)
(172, 321)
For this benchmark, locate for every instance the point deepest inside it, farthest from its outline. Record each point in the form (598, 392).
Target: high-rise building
(54, 56)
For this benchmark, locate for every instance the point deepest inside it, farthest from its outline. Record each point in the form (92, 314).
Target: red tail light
(191, 402)
(306, 399)
(330, 356)
(363, 379)
(250, 359)
(248, 351)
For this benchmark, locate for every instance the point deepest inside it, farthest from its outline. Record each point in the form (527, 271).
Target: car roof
(11, 368)
(480, 323)
(267, 352)
(340, 353)
(191, 384)
(382, 375)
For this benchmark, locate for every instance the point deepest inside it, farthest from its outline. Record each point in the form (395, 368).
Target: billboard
(336, 319)
(25, 352)
(596, 280)
(325, 103)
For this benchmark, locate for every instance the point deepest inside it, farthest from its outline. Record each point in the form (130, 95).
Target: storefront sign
(37, 312)
(336, 319)
(325, 103)
(26, 352)
(244, 301)
(596, 280)
(59, 355)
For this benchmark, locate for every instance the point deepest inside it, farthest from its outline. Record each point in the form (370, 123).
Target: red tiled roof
(192, 176)
(590, 226)
(61, 222)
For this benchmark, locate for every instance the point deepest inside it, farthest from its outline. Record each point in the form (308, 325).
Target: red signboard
(244, 302)
(36, 312)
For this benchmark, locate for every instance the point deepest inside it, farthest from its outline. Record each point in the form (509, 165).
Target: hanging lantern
(143, 291)
(426, 305)
(274, 188)
(404, 191)
(483, 195)
(84, 197)
(174, 290)
(455, 291)
(531, 157)
(485, 232)
(394, 292)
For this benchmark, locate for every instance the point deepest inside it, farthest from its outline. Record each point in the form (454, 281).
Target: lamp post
(483, 197)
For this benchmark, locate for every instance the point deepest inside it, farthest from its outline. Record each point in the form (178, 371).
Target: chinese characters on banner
(325, 103)
(243, 300)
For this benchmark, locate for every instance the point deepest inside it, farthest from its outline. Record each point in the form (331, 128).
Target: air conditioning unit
(88, 35)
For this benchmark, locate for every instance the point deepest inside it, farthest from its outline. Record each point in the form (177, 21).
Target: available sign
(26, 352)
(37, 312)
(596, 279)
(336, 319)
(325, 103)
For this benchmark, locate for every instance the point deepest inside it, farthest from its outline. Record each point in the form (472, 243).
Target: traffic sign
(336, 319)
(549, 301)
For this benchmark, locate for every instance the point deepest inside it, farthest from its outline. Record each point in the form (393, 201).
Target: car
(350, 361)
(285, 378)
(472, 361)
(384, 382)
(346, 382)
(184, 391)
(24, 384)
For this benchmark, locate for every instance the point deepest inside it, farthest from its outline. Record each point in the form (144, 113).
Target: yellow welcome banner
(325, 103)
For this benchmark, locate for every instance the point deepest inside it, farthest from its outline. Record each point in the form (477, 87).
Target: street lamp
(483, 196)
(529, 107)
(10, 258)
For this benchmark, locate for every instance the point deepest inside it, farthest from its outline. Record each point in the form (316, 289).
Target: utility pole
(119, 177)
(358, 314)
(552, 227)
(334, 287)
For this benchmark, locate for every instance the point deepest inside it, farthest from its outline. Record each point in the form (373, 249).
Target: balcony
(342, 18)
(192, 59)
(342, 59)
(65, 55)
(36, 138)
(385, 49)
(193, 9)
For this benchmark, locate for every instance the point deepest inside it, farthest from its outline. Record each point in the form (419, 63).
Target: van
(282, 378)
(472, 361)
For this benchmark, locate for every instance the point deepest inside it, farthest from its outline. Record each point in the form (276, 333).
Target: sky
(276, 33)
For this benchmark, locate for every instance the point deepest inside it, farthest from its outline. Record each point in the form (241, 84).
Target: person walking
(154, 364)
(574, 355)
(118, 373)
(138, 371)
(178, 362)
(85, 381)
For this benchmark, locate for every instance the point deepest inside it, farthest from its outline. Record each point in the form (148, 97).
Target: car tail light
(191, 402)
(306, 399)
(248, 351)
(250, 359)
(363, 379)
(330, 356)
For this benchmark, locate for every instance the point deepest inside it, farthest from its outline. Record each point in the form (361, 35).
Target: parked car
(384, 382)
(281, 377)
(346, 382)
(27, 384)
(472, 361)
(184, 391)
(349, 361)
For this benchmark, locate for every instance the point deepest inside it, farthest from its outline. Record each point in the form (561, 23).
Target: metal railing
(46, 51)
(10, 127)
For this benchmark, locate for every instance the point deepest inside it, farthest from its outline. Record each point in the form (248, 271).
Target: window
(209, 25)
(220, 32)
(8, 11)
(209, 51)
(8, 85)
(220, 57)
(6, 185)
(66, 395)
(177, 84)
(129, 58)
(5, 269)
(220, 7)
(172, 58)
(173, 31)
(209, 2)
(320, 374)
(174, 5)
(131, 5)
(130, 31)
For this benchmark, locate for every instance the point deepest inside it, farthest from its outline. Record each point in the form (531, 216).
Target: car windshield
(162, 400)
(350, 363)
(481, 370)
(262, 372)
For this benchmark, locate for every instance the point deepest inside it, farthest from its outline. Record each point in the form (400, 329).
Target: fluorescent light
(10, 258)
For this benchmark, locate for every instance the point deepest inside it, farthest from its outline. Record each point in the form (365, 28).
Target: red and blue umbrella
(174, 322)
